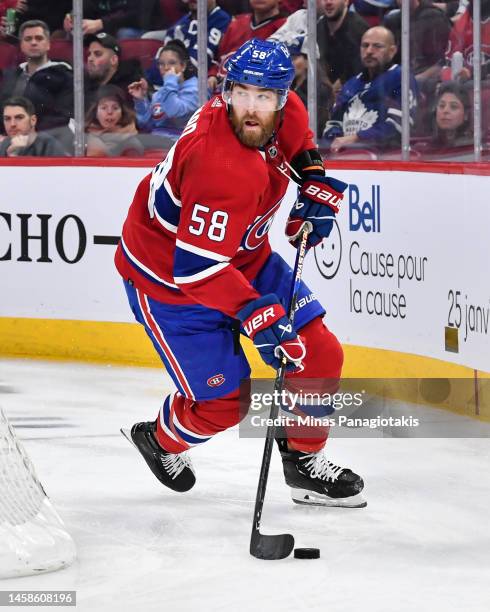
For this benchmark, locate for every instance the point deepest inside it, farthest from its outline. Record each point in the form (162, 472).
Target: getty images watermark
(315, 409)
(394, 408)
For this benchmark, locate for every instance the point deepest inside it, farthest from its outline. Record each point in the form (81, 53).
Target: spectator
(149, 15)
(106, 16)
(172, 105)
(300, 85)
(186, 31)
(461, 40)
(294, 29)
(122, 18)
(104, 67)
(451, 117)
(452, 8)
(20, 6)
(368, 108)
(111, 126)
(429, 34)
(235, 7)
(462, 5)
(339, 34)
(263, 21)
(288, 7)
(373, 11)
(52, 12)
(19, 122)
(48, 85)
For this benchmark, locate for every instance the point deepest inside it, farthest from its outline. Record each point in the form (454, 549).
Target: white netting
(33, 538)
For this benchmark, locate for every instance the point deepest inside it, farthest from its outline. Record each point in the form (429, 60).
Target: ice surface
(422, 543)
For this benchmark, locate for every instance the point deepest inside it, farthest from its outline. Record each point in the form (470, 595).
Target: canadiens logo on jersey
(257, 232)
(157, 111)
(216, 381)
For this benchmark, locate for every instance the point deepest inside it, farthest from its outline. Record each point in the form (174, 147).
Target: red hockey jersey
(241, 29)
(196, 231)
(461, 39)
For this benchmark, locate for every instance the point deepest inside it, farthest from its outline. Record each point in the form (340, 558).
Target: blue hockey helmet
(262, 63)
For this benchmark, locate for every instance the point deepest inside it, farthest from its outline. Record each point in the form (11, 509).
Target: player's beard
(258, 138)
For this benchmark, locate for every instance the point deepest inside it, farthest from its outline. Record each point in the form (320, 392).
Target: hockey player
(195, 258)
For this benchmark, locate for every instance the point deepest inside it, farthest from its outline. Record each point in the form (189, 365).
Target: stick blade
(271, 547)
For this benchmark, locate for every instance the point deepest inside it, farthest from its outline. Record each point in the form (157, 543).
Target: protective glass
(251, 97)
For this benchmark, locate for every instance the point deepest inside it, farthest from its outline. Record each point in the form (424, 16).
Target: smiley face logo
(329, 253)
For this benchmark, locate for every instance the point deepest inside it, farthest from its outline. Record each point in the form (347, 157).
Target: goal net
(33, 538)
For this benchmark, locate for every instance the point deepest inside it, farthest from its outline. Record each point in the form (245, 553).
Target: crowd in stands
(141, 85)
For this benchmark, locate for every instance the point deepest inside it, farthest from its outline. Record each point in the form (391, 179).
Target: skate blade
(311, 498)
(127, 434)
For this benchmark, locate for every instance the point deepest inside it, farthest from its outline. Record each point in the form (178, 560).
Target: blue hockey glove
(265, 322)
(319, 201)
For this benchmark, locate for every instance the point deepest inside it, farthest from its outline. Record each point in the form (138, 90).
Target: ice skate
(315, 481)
(175, 471)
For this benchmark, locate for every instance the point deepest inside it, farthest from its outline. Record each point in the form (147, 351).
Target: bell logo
(365, 216)
(216, 381)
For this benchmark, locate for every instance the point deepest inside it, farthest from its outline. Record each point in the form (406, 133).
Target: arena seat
(139, 48)
(485, 109)
(235, 7)
(155, 153)
(351, 154)
(61, 51)
(170, 12)
(485, 154)
(372, 20)
(9, 55)
(428, 152)
(396, 154)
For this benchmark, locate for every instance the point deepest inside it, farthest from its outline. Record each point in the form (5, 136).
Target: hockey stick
(276, 546)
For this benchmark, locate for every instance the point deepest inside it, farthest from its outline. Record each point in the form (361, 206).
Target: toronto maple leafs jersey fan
(371, 109)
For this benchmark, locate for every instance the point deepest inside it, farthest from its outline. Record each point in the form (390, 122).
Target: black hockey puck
(306, 553)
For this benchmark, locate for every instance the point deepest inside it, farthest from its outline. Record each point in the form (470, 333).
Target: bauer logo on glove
(266, 324)
(319, 200)
(260, 318)
(318, 193)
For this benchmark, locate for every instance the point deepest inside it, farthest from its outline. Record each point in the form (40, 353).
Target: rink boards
(403, 277)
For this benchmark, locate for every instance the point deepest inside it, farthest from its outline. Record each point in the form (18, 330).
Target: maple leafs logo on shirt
(357, 117)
